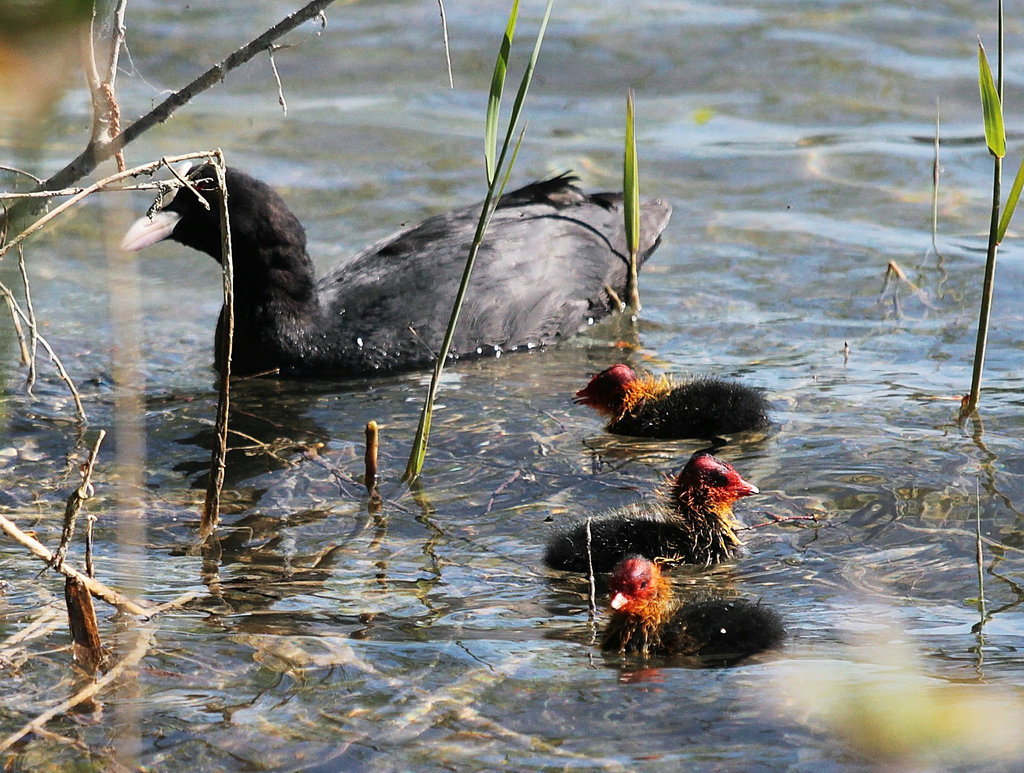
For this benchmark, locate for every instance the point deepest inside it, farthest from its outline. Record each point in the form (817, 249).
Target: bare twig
(277, 78)
(18, 329)
(505, 484)
(96, 588)
(211, 507)
(63, 374)
(90, 519)
(15, 170)
(33, 337)
(447, 50)
(75, 501)
(74, 191)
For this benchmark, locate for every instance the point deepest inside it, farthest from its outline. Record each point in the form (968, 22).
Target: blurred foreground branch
(99, 150)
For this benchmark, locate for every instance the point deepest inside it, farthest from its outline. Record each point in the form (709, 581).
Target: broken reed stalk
(96, 588)
(370, 458)
(86, 648)
(211, 506)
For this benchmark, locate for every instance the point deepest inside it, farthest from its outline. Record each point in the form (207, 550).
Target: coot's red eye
(205, 184)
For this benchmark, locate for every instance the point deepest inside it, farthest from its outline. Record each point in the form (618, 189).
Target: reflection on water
(794, 140)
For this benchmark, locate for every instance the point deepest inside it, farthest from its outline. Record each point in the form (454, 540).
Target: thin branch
(116, 41)
(33, 329)
(75, 502)
(61, 372)
(16, 195)
(18, 329)
(447, 50)
(277, 78)
(211, 507)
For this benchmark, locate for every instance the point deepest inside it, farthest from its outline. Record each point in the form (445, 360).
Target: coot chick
(645, 406)
(646, 621)
(540, 276)
(691, 521)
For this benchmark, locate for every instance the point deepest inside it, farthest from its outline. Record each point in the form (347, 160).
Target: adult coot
(541, 275)
(645, 619)
(690, 521)
(645, 406)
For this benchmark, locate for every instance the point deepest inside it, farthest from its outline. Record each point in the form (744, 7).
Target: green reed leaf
(995, 134)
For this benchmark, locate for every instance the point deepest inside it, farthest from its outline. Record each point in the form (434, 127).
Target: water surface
(795, 140)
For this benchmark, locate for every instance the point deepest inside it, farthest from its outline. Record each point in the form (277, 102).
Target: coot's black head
(258, 215)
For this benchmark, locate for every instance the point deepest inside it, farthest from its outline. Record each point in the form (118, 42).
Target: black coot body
(540, 276)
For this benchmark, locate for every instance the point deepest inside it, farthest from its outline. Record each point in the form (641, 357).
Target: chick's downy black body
(705, 408)
(690, 521)
(649, 528)
(646, 620)
(539, 277)
(646, 406)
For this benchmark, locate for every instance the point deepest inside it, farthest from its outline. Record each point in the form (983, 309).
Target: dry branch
(96, 588)
(75, 502)
(98, 151)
